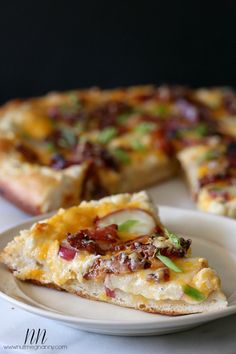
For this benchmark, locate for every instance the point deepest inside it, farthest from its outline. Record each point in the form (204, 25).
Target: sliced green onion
(127, 225)
(174, 239)
(122, 118)
(145, 127)
(121, 155)
(168, 262)
(193, 293)
(160, 110)
(136, 145)
(201, 129)
(211, 154)
(50, 146)
(68, 138)
(106, 135)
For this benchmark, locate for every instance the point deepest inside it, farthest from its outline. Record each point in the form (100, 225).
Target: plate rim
(119, 324)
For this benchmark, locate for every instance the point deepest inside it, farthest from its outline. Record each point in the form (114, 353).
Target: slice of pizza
(116, 250)
(210, 170)
(221, 103)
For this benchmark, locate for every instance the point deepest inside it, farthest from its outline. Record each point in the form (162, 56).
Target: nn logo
(34, 336)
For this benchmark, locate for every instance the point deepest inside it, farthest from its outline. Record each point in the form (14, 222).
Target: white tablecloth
(215, 337)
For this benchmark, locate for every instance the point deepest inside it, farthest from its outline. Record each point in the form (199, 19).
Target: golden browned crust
(19, 199)
(109, 300)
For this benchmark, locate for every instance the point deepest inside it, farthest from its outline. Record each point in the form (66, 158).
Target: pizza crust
(215, 301)
(37, 189)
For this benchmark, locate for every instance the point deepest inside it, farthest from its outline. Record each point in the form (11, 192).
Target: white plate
(213, 237)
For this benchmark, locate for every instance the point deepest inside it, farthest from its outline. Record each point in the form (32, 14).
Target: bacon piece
(121, 263)
(134, 256)
(108, 233)
(107, 113)
(95, 241)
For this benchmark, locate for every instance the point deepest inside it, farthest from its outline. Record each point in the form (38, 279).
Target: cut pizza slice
(116, 250)
(210, 170)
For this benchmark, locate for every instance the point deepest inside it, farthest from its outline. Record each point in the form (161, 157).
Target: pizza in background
(62, 148)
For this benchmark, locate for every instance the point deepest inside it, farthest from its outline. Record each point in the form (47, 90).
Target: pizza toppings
(168, 262)
(171, 245)
(107, 114)
(66, 253)
(106, 135)
(97, 240)
(121, 263)
(193, 293)
(121, 155)
(85, 151)
(135, 221)
(69, 111)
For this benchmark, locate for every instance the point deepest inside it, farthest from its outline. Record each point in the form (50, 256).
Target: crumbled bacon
(107, 113)
(95, 241)
(121, 263)
(94, 152)
(85, 152)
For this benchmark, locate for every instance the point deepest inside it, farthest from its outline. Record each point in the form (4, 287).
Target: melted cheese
(194, 273)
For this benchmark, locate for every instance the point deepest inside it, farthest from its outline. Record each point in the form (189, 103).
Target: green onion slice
(193, 292)
(106, 135)
(137, 146)
(175, 240)
(121, 155)
(168, 262)
(145, 127)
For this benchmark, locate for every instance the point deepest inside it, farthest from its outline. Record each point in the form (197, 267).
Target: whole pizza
(62, 148)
